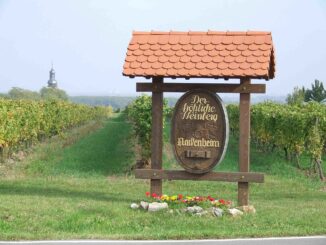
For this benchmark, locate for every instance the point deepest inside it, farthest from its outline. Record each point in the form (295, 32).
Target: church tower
(52, 83)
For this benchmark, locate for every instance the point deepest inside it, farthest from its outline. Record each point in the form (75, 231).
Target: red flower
(148, 193)
(221, 201)
(180, 196)
(154, 195)
(211, 199)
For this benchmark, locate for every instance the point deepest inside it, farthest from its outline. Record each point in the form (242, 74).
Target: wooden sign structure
(227, 55)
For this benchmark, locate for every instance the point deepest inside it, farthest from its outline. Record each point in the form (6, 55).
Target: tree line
(317, 93)
(46, 93)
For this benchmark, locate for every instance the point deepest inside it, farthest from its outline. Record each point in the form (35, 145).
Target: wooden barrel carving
(200, 131)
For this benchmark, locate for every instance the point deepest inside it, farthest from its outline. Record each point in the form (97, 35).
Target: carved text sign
(199, 131)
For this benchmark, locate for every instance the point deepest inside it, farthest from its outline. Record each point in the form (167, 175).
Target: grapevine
(27, 121)
(296, 129)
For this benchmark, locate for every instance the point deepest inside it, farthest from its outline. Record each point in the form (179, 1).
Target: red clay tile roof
(201, 54)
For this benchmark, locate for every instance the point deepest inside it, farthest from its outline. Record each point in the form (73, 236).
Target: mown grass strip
(105, 152)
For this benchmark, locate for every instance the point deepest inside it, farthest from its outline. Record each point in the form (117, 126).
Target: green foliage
(23, 94)
(140, 114)
(48, 93)
(297, 97)
(296, 129)
(26, 120)
(316, 93)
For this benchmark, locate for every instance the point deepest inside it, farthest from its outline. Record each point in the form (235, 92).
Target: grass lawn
(81, 191)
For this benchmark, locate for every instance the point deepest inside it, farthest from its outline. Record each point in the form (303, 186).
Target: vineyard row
(24, 121)
(296, 130)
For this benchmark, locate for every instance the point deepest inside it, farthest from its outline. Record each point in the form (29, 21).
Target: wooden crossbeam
(210, 176)
(215, 88)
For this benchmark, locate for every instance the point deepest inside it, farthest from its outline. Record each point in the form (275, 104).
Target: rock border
(194, 210)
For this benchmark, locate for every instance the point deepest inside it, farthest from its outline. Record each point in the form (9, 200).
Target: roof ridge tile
(197, 33)
(235, 33)
(218, 33)
(258, 33)
(209, 32)
(140, 33)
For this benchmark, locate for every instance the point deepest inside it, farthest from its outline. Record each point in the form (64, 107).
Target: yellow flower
(164, 197)
(173, 198)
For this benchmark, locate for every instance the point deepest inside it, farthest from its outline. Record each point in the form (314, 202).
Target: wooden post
(244, 143)
(157, 135)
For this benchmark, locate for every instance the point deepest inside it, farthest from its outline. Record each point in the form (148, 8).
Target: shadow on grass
(295, 195)
(48, 192)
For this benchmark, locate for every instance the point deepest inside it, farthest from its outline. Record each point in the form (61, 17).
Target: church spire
(52, 83)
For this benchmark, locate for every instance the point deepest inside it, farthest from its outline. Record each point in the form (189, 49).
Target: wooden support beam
(244, 143)
(210, 176)
(215, 88)
(157, 135)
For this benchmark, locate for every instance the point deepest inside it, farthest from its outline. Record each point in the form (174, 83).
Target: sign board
(200, 131)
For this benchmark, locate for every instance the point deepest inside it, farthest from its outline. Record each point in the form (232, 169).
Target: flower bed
(188, 201)
(196, 205)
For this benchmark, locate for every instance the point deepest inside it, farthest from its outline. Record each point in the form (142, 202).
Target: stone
(157, 206)
(235, 212)
(202, 213)
(20, 156)
(218, 212)
(144, 205)
(194, 209)
(10, 161)
(190, 209)
(198, 209)
(248, 209)
(134, 206)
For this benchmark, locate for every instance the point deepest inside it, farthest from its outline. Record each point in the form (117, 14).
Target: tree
(297, 97)
(19, 93)
(316, 93)
(53, 94)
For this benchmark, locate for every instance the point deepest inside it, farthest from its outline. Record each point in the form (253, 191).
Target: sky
(87, 39)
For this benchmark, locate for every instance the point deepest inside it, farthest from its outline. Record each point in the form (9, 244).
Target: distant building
(52, 83)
